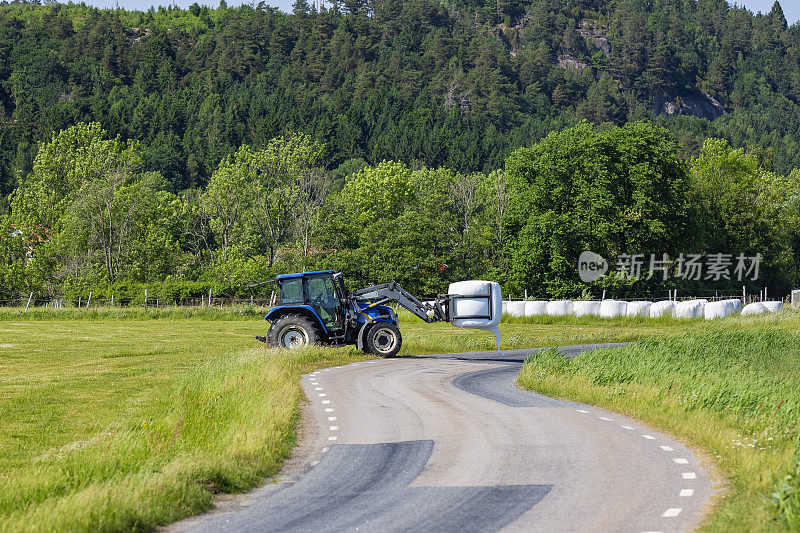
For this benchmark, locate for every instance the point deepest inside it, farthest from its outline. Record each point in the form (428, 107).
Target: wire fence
(48, 302)
(32, 301)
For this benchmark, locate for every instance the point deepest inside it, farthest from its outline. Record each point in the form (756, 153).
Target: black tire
(293, 331)
(383, 339)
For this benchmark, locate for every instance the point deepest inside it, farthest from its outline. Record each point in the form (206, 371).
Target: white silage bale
(755, 308)
(720, 309)
(537, 308)
(583, 308)
(559, 308)
(613, 308)
(690, 309)
(516, 308)
(475, 303)
(663, 308)
(736, 303)
(638, 308)
(772, 307)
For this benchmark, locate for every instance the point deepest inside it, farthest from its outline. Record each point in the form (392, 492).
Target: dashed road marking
(649, 437)
(322, 394)
(627, 427)
(325, 449)
(329, 409)
(317, 388)
(681, 461)
(314, 463)
(334, 428)
(331, 419)
(326, 402)
(689, 475)
(687, 492)
(666, 448)
(582, 410)
(672, 512)
(334, 437)
(604, 418)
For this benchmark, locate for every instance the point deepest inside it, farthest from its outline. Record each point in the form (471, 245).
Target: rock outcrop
(699, 105)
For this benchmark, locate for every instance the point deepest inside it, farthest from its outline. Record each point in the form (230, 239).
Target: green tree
(743, 208)
(612, 191)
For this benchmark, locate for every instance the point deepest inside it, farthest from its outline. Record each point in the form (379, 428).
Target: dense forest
(227, 144)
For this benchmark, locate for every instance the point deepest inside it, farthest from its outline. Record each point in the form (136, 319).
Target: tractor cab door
(322, 296)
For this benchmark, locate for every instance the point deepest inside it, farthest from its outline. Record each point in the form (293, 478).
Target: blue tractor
(316, 308)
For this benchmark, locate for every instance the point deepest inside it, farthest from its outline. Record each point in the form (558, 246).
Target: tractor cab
(316, 292)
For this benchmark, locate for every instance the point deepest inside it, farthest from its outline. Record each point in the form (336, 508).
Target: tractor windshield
(322, 295)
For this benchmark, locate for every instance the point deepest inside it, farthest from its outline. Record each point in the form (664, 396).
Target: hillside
(456, 84)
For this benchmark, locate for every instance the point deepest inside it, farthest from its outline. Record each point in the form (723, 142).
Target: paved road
(450, 443)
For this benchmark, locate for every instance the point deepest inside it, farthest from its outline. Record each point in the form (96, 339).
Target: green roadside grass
(730, 388)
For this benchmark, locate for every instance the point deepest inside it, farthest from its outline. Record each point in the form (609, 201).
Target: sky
(791, 8)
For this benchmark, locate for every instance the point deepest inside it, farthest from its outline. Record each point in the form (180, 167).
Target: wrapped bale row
(697, 308)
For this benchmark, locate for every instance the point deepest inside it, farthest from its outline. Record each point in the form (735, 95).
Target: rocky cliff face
(698, 104)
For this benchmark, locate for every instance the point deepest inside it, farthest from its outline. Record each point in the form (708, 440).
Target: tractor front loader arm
(392, 292)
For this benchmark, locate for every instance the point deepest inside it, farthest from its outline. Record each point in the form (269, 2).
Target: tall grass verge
(730, 388)
(224, 425)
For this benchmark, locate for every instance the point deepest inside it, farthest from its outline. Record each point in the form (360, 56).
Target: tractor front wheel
(292, 331)
(384, 339)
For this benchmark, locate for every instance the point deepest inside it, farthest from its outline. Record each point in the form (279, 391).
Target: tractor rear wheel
(384, 339)
(293, 331)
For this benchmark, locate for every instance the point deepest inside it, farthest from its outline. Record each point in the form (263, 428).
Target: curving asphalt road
(450, 443)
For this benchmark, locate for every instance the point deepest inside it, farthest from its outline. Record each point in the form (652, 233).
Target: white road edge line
(672, 512)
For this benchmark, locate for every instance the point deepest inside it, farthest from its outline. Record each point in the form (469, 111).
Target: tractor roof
(303, 274)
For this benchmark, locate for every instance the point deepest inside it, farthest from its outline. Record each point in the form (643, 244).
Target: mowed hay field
(119, 420)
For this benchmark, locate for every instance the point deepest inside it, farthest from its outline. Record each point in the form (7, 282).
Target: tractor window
(292, 291)
(322, 295)
(321, 292)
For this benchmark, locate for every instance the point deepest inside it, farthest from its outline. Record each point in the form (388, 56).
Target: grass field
(731, 388)
(127, 419)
